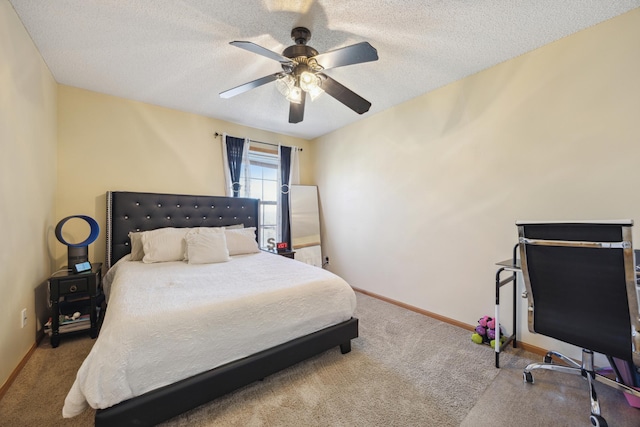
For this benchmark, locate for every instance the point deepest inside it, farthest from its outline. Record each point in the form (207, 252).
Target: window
(263, 185)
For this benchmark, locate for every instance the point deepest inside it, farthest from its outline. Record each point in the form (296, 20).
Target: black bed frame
(131, 211)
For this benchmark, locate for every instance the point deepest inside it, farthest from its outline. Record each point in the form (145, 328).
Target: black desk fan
(78, 253)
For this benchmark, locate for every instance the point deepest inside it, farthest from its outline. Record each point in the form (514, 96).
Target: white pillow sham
(241, 241)
(233, 227)
(164, 245)
(206, 246)
(137, 253)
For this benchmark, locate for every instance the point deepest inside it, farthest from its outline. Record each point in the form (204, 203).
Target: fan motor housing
(301, 36)
(298, 50)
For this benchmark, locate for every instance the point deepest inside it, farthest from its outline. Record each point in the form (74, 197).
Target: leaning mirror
(305, 224)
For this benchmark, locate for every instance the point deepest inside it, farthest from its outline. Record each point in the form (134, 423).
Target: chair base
(587, 371)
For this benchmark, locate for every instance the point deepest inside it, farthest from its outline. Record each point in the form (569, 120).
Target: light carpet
(405, 369)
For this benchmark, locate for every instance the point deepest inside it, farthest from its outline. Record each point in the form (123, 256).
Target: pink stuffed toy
(483, 321)
(485, 332)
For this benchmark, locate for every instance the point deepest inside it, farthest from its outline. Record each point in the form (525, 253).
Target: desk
(511, 266)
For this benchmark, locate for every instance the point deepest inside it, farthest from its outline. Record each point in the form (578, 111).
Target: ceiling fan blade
(345, 95)
(296, 111)
(252, 47)
(250, 85)
(348, 55)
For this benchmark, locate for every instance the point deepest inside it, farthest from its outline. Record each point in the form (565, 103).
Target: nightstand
(287, 254)
(71, 292)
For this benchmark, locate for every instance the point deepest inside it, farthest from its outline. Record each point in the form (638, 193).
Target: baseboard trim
(532, 348)
(16, 371)
(527, 347)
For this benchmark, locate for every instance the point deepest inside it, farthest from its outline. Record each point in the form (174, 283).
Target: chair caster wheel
(528, 378)
(598, 421)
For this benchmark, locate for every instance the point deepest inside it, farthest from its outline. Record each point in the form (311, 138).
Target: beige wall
(109, 143)
(27, 184)
(420, 201)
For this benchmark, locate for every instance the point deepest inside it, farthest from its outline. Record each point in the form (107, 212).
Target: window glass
(270, 190)
(270, 215)
(271, 173)
(255, 188)
(263, 185)
(254, 170)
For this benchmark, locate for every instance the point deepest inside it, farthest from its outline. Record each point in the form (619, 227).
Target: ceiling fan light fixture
(310, 83)
(315, 92)
(285, 84)
(308, 80)
(295, 95)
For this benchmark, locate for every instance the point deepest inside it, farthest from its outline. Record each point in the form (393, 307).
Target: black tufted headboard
(130, 211)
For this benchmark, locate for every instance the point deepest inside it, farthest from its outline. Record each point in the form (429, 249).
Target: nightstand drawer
(73, 285)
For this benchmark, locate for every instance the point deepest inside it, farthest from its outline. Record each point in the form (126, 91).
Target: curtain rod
(217, 134)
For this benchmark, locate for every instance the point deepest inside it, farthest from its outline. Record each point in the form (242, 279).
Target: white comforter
(169, 321)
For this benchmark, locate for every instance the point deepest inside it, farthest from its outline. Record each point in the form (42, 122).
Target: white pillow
(163, 245)
(196, 230)
(242, 241)
(234, 226)
(137, 253)
(206, 246)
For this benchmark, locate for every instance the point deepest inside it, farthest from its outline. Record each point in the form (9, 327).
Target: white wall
(27, 184)
(420, 201)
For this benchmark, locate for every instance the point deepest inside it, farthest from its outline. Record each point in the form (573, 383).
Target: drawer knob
(73, 288)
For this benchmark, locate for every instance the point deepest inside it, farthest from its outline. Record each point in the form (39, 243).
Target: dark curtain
(235, 146)
(285, 172)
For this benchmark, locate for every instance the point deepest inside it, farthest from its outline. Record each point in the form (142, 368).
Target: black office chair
(581, 286)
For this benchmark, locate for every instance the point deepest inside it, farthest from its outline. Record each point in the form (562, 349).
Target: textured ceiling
(176, 53)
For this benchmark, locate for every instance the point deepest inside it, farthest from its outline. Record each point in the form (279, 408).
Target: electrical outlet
(23, 317)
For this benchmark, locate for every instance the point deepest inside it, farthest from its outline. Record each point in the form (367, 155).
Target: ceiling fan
(302, 73)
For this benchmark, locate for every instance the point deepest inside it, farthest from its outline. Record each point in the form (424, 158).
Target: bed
(156, 341)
